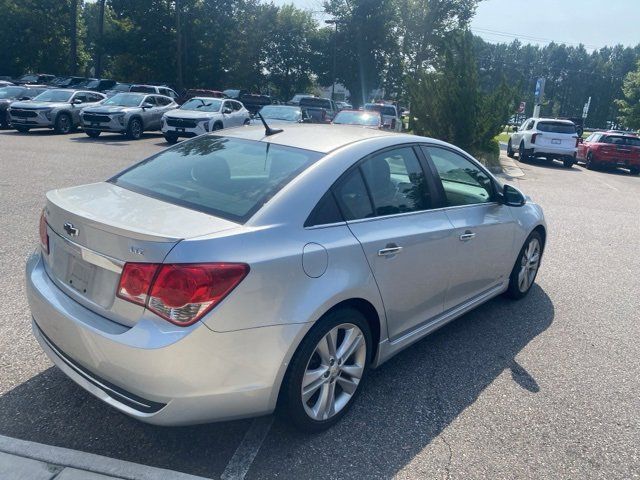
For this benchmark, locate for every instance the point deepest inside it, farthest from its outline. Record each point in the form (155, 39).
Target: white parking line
(246, 452)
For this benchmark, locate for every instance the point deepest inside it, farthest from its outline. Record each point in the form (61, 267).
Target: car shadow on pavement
(404, 406)
(552, 164)
(113, 139)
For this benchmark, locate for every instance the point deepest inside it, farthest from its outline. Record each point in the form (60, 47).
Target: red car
(610, 150)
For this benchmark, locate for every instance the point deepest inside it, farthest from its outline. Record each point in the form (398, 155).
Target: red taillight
(533, 137)
(180, 293)
(44, 236)
(135, 282)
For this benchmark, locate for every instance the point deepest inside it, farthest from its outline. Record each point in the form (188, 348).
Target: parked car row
(558, 139)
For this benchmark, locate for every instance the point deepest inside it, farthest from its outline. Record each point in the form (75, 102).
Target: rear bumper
(556, 152)
(617, 162)
(157, 373)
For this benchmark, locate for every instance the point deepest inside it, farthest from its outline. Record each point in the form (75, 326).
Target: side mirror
(147, 105)
(77, 101)
(307, 120)
(512, 197)
(227, 110)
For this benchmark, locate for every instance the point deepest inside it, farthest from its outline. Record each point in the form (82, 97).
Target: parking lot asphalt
(543, 388)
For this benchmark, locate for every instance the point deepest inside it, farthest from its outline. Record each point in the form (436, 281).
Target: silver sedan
(239, 272)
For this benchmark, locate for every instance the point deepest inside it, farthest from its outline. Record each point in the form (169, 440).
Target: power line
(529, 37)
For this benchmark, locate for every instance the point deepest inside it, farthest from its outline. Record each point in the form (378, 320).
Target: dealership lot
(544, 388)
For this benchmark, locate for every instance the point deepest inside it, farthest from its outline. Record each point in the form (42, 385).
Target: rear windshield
(557, 127)
(621, 140)
(315, 102)
(227, 177)
(383, 109)
(143, 89)
(357, 118)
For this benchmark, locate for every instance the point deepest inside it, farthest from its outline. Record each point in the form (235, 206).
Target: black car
(34, 79)
(14, 93)
(66, 82)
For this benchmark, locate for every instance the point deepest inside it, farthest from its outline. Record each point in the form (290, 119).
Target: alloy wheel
(334, 371)
(529, 265)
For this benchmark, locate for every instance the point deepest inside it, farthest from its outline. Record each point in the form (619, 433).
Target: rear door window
(227, 177)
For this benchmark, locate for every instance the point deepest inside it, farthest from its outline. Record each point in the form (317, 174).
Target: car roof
(202, 98)
(559, 120)
(319, 138)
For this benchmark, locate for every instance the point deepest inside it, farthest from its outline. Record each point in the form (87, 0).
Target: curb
(89, 462)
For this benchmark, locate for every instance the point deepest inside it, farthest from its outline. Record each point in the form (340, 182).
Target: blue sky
(595, 23)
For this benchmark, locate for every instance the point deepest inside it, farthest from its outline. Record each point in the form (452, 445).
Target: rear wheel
(171, 138)
(510, 152)
(216, 126)
(634, 170)
(134, 129)
(568, 162)
(526, 267)
(590, 162)
(93, 133)
(21, 129)
(522, 153)
(326, 372)
(63, 124)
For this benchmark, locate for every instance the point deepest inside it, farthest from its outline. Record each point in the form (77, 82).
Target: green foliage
(447, 103)
(629, 106)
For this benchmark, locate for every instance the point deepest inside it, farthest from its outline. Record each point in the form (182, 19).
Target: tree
(629, 106)
(447, 102)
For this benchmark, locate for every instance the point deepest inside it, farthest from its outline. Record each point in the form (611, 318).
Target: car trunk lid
(95, 229)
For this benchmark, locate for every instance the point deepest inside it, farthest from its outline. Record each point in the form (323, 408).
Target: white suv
(545, 137)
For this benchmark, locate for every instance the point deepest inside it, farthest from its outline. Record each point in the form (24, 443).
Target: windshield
(621, 140)
(383, 109)
(557, 127)
(11, 92)
(357, 118)
(54, 96)
(91, 83)
(143, 88)
(122, 87)
(226, 177)
(290, 114)
(125, 100)
(202, 105)
(29, 78)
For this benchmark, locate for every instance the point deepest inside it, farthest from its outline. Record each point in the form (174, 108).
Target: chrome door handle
(389, 250)
(466, 236)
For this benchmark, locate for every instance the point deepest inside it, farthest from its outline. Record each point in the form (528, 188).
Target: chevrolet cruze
(239, 273)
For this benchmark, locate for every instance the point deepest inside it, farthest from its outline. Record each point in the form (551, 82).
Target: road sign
(539, 92)
(522, 107)
(585, 110)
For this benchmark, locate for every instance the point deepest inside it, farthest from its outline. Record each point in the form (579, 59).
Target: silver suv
(56, 108)
(127, 113)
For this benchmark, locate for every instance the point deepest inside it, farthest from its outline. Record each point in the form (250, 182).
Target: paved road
(542, 388)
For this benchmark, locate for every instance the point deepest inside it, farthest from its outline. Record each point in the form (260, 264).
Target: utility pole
(335, 53)
(99, 45)
(74, 36)
(180, 79)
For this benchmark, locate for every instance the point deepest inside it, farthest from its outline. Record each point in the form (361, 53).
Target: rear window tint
(557, 127)
(383, 109)
(620, 140)
(315, 102)
(143, 89)
(227, 177)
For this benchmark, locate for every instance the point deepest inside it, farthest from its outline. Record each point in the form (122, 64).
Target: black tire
(172, 139)
(291, 407)
(134, 129)
(4, 119)
(217, 126)
(63, 124)
(510, 152)
(634, 171)
(568, 162)
(522, 154)
(93, 133)
(247, 122)
(21, 129)
(515, 290)
(590, 162)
